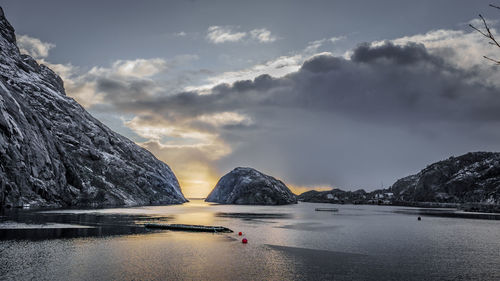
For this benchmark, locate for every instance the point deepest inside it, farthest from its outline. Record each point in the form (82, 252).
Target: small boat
(326, 210)
(188, 227)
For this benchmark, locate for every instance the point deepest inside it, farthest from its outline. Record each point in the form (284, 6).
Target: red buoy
(244, 241)
(239, 233)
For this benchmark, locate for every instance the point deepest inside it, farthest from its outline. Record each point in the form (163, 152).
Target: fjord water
(292, 242)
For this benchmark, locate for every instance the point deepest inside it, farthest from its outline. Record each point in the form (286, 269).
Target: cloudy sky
(349, 94)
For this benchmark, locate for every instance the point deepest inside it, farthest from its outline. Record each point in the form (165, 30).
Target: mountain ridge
(470, 181)
(55, 154)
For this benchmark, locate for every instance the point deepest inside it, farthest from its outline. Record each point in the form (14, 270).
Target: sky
(320, 94)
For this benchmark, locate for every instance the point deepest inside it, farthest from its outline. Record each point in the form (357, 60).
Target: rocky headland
(54, 153)
(470, 182)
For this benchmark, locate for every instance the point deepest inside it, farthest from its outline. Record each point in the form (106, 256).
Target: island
(247, 186)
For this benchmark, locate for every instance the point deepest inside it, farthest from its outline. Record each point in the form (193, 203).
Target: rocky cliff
(471, 178)
(247, 186)
(54, 153)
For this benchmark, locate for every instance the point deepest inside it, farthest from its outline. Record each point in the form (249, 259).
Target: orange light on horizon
(196, 181)
(301, 189)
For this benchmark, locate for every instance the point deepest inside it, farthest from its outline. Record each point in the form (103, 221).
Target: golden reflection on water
(360, 240)
(169, 256)
(196, 212)
(195, 218)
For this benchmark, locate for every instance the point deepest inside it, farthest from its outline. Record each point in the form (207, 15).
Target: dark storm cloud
(411, 53)
(348, 123)
(119, 90)
(385, 83)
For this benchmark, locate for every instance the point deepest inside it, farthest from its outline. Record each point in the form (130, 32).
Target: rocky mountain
(247, 186)
(470, 182)
(333, 196)
(471, 178)
(54, 153)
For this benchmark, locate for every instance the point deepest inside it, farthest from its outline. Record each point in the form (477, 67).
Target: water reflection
(34, 225)
(285, 243)
(252, 216)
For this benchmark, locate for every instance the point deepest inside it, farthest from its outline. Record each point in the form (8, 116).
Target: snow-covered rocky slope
(54, 153)
(471, 178)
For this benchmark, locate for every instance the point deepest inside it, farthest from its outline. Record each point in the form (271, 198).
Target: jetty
(326, 210)
(189, 227)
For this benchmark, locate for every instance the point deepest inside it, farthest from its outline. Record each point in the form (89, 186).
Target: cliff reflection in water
(291, 242)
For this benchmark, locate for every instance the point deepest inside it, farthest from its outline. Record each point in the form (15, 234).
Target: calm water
(285, 243)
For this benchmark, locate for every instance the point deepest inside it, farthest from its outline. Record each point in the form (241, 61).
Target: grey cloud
(34, 46)
(344, 122)
(324, 64)
(411, 53)
(120, 90)
(377, 84)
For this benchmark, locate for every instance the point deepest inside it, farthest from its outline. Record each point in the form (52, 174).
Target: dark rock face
(247, 186)
(54, 153)
(470, 178)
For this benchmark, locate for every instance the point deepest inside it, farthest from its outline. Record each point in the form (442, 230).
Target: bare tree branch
(488, 34)
(478, 30)
(493, 60)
